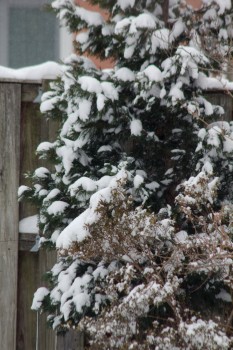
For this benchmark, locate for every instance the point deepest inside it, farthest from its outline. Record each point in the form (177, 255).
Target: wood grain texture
(223, 99)
(27, 241)
(32, 266)
(71, 340)
(10, 96)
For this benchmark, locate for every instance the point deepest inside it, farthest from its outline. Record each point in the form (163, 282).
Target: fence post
(10, 98)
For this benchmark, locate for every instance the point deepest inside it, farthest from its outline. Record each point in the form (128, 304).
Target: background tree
(139, 202)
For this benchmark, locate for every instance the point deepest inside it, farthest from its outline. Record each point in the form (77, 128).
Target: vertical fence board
(32, 266)
(224, 100)
(10, 96)
(71, 340)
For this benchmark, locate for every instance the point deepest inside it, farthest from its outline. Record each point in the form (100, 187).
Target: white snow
(176, 93)
(189, 59)
(107, 148)
(202, 133)
(181, 236)
(52, 194)
(84, 109)
(145, 20)
(90, 17)
(109, 90)
(100, 271)
(101, 99)
(153, 73)
(210, 83)
(207, 167)
(122, 25)
(47, 70)
(39, 295)
(208, 107)
(177, 30)
(223, 5)
(136, 127)
(22, 189)
(104, 181)
(41, 172)
(44, 146)
(90, 84)
(125, 3)
(137, 181)
(213, 136)
(82, 37)
(223, 34)
(57, 208)
(67, 155)
(125, 74)
(81, 300)
(228, 145)
(224, 295)
(29, 225)
(152, 185)
(129, 51)
(160, 39)
(84, 183)
(223, 125)
(77, 230)
(48, 104)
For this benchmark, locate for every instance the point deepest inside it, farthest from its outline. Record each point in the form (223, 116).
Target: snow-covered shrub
(139, 202)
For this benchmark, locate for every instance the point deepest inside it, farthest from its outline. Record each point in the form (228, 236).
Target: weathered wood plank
(32, 266)
(71, 340)
(224, 100)
(10, 96)
(20, 81)
(27, 241)
(8, 294)
(30, 92)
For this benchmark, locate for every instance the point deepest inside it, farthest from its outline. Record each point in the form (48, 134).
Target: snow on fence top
(51, 70)
(214, 83)
(47, 70)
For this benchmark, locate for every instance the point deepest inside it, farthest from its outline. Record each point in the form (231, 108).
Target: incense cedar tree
(138, 202)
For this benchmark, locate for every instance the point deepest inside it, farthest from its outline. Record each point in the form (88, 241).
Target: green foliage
(138, 203)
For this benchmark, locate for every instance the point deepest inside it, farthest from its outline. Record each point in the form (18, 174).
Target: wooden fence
(21, 271)
(21, 129)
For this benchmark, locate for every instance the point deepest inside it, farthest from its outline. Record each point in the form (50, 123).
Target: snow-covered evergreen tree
(139, 204)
